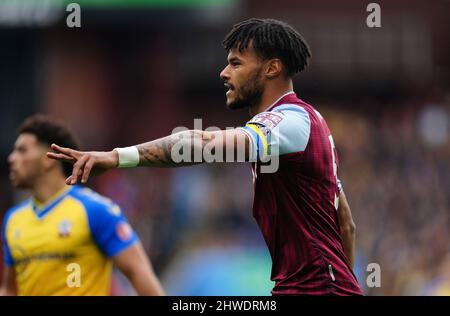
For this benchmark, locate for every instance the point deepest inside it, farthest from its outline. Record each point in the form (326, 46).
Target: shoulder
(94, 202)
(15, 210)
(285, 129)
(293, 111)
(282, 116)
(108, 226)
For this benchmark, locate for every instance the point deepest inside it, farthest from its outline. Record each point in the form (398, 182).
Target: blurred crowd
(394, 165)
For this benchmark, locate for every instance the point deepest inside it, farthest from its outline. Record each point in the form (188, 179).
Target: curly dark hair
(48, 131)
(271, 39)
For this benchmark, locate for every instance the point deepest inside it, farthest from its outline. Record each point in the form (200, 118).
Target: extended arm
(347, 227)
(163, 152)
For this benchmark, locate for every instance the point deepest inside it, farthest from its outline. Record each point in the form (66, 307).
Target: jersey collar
(41, 209)
(278, 100)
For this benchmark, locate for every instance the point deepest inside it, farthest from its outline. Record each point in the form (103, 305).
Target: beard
(249, 94)
(20, 183)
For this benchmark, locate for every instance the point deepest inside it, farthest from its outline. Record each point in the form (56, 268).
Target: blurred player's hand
(84, 163)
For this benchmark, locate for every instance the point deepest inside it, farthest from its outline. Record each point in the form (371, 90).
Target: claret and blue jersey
(296, 204)
(76, 226)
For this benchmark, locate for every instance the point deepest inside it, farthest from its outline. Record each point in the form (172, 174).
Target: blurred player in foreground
(300, 206)
(64, 240)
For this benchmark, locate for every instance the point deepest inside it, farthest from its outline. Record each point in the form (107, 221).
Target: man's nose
(11, 158)
(224, 75)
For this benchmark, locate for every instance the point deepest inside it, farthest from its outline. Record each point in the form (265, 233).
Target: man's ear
(48, 163)
(274, 68)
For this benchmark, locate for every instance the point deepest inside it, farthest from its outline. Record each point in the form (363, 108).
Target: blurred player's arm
(134, 264)
(8, 286)
(347, 227)
(157, 153)
(117, 240)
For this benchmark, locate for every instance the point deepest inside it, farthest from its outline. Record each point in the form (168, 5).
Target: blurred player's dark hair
(48, 131)
(271, 39)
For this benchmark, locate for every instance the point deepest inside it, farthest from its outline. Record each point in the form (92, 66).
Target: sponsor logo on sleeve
(124, 231)
(267, 119)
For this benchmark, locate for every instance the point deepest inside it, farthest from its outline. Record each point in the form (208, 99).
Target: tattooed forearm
(159, 153)
(194, 147)
(154, 153)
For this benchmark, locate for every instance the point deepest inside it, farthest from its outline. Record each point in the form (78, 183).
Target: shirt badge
(64, 228)
(16, 234)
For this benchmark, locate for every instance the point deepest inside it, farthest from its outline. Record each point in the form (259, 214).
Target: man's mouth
(229, 86)
(12, 174)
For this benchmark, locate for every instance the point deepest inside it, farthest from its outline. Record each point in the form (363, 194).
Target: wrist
(114, 158)
(126, 157)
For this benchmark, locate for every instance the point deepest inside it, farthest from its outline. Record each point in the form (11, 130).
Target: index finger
(64, 150)
(62, 157)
